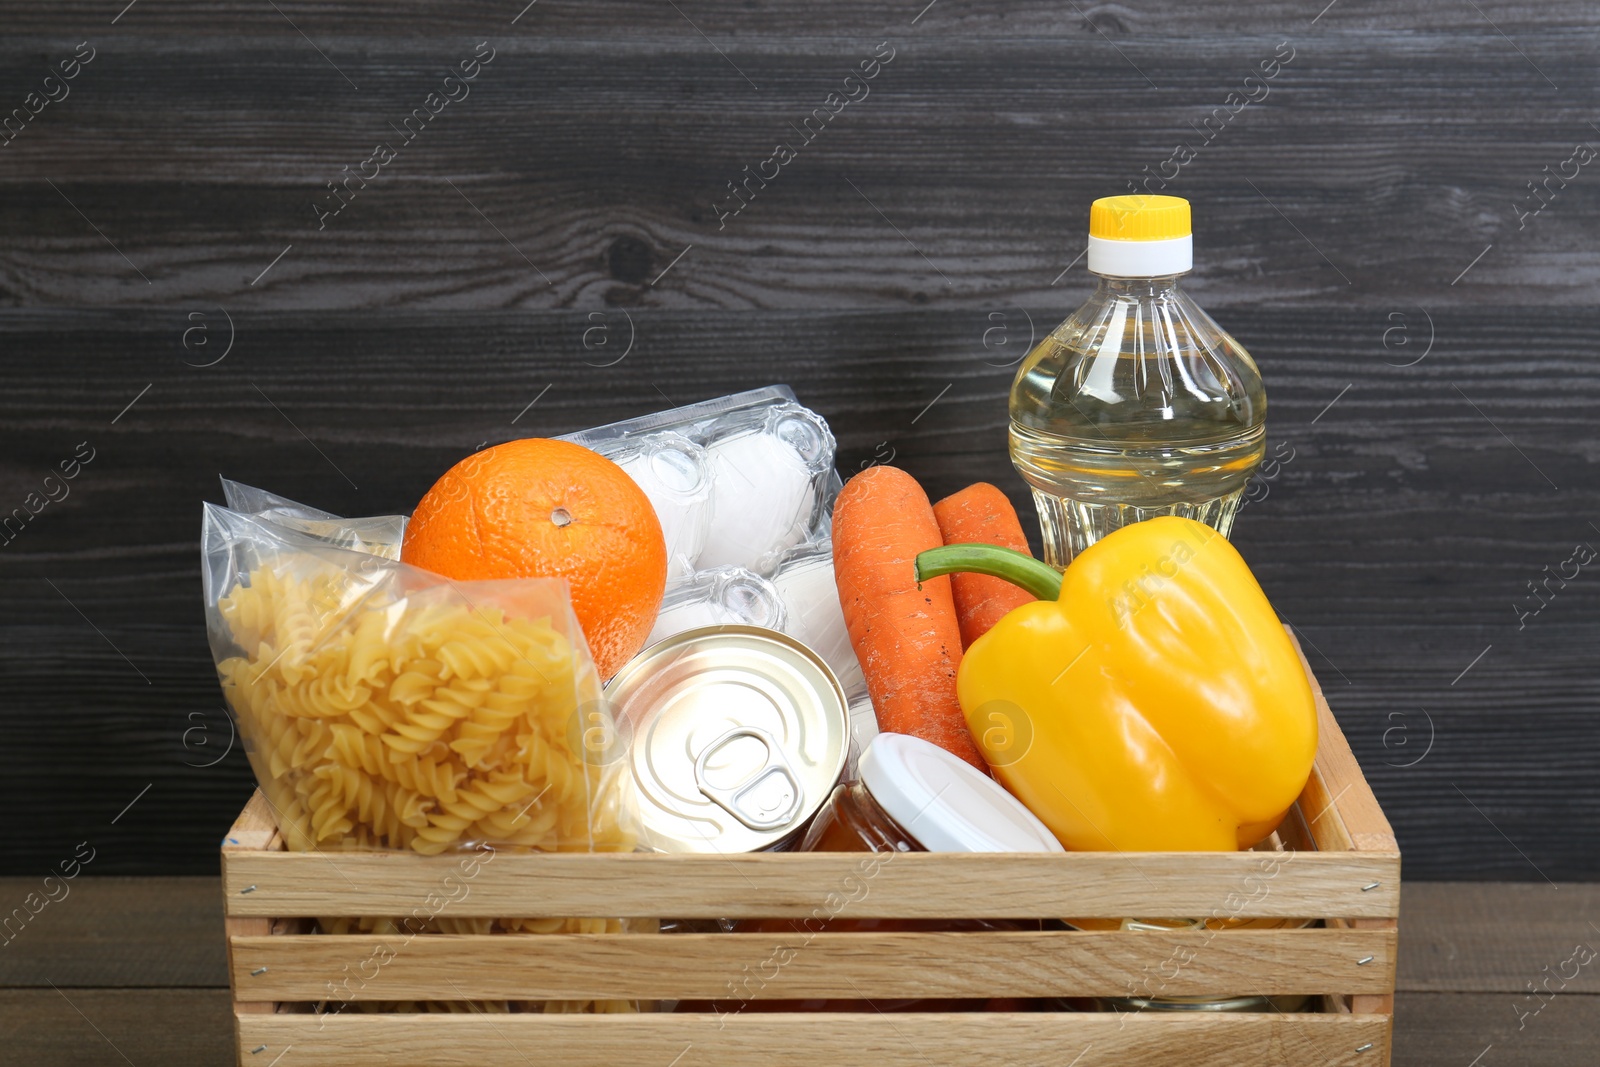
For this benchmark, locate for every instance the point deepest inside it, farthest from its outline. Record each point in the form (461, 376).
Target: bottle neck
(1138, 288)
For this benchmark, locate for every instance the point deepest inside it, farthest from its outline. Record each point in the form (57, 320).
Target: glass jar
(911, 796)
(852, 821)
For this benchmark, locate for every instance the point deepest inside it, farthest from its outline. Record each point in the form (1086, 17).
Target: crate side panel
(831, 885)
(1035, 1039)
(1338, 804)
(800, 964)
(255, 830)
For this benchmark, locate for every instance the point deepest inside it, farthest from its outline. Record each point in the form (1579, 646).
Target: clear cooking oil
(1138, 405)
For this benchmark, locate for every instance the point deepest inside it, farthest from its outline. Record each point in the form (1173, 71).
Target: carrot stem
(1036, 576)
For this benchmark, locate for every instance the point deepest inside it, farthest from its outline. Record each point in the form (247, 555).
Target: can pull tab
(766, 800)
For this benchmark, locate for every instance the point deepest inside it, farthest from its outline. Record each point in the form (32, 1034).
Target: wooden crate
(1343, 868)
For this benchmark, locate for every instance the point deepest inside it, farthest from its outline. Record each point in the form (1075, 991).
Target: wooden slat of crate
(799, 965)
(1355, 875)
(911, 885)
(1339, 806)
(1343, 814)
(1035, 1039)
(254, 832)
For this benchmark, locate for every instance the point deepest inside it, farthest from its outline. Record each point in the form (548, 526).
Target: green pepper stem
(1020, 569)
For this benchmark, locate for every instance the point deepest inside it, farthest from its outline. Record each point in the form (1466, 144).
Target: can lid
(945, 802)
(739, 735)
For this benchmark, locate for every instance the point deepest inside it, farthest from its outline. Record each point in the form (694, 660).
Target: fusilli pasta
(422, 722)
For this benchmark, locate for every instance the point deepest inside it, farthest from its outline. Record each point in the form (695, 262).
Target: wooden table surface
(132, 970)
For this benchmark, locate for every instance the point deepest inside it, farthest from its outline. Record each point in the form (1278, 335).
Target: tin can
(739, 734)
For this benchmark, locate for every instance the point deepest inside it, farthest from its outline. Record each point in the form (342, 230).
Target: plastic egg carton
(736, 481)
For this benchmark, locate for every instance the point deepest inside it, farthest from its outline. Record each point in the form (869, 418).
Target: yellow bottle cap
(1141, 217)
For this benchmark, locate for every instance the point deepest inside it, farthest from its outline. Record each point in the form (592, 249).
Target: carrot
(981, 513)
(906, 638)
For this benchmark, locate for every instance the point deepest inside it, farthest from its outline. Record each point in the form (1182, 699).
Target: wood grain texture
(255, 830)
(584, 221)
(109, 932)
(1340, 812)
(1484, 940)
(1473, 937)
(420, 19)
(1499, 938)
(865, 965)
(192, 1028)
(1397, 155)
(760, 885)
(1398, 143)
(98, 1027)
(1419, 546)
(1451, 1029)
(261, 879)
(1341, 793)
(269, 881)
(1402, 505)
(822, 1039)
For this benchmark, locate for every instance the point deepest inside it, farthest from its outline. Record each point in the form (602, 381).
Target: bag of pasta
(385, 707)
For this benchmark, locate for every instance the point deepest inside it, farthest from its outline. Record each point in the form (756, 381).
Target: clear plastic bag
(384, 707)
(380, 534)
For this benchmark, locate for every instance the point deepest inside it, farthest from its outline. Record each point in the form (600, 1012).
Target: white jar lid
(945, 802)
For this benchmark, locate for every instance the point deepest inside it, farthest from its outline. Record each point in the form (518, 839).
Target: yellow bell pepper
(1149, 700)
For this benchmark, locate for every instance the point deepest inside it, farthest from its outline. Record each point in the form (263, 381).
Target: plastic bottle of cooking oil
(1139, 404)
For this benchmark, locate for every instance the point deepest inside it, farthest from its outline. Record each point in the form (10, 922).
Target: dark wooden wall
(1429, 354)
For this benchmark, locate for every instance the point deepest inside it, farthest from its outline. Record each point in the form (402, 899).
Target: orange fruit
(550, 509)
